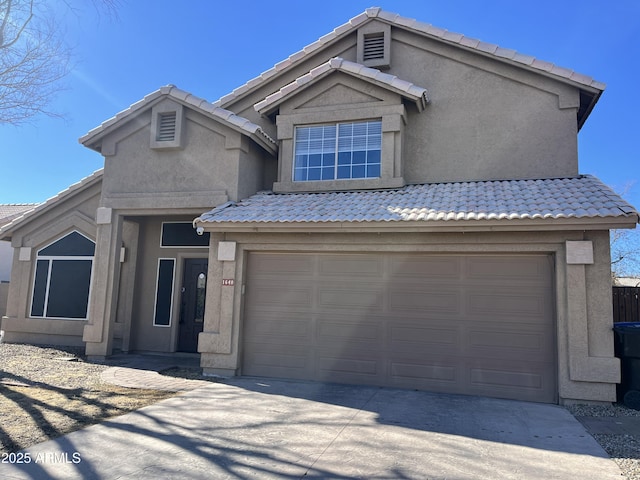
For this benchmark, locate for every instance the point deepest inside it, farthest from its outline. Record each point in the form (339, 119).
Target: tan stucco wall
(486, 120)
(4, 294)
(76, 212)
(584, 338)
(214, 164)
(6, 257)
(143, 185)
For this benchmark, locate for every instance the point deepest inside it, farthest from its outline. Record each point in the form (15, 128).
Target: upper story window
(338, 151)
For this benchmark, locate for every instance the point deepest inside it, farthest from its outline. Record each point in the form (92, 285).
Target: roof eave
(93, 139)
(417, 95)
(432, 226)
(451, 38)
(42, 208)
(585, 110)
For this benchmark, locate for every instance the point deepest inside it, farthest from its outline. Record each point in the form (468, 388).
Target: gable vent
(373, 47)
(166, 127)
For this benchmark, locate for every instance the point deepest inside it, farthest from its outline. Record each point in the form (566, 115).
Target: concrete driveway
(259, 428)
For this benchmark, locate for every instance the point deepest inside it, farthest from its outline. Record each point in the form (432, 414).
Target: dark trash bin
(627, 349)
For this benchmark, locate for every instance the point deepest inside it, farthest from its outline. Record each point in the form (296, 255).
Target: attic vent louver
(374, 45)
(373, 48)
(166, 127)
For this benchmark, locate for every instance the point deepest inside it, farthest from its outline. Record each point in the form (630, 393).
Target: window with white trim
(337, 151)
(62, 278)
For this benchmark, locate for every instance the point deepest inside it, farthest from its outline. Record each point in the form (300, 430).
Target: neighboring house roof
(12, 210)
(626, 282)
(439, 34)
(39, 209)
(223, 116)
(407, 89)
(583, 197)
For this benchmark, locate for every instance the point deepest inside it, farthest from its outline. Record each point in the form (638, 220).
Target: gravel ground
(27, 361)
(624, 449)
(46, 392)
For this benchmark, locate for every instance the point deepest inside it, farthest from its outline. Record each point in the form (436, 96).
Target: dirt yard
(47, 392)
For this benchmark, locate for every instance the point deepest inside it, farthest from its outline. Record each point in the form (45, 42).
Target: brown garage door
(471, 324)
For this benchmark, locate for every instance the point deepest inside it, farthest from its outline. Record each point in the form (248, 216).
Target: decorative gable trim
(94, 138)
(590, 89)
(408, 90)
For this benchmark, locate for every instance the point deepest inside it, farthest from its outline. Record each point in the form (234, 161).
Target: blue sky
(209, 48)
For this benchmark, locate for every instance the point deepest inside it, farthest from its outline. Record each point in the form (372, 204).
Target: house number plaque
(228, 282)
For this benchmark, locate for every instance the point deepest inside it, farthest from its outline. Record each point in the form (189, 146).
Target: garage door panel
(365, 266)
(426, 301)
(535, 345)
(491, 377)
(425, 268)
(414, 336)
(446, 323)
(492, 268)
(276, 265)
(293, 326)
(430, 373)
(367, 334)
(283, 295)
(353, 367)
(349, 296)
(513, 304)
(274, 360)
(410, 343)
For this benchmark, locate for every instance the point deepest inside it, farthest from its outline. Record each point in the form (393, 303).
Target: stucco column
(595, 376)
(126, 287)
(98, 333)
(215, 343)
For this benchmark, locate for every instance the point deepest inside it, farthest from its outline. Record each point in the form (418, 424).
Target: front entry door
(194, 285)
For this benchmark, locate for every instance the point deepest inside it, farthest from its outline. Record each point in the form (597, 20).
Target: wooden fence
(626, 304)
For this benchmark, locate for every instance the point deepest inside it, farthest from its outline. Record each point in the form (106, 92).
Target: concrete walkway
(143, 371)
(268, 429)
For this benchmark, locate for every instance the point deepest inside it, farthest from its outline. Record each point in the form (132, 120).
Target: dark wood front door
(194, 285)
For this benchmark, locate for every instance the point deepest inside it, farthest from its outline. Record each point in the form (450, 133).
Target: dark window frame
(188, 235)
(163, 300)
(57, 261)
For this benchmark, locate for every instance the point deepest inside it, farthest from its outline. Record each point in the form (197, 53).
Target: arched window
(63, 278)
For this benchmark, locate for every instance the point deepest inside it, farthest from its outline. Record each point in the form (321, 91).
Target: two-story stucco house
(393, 205)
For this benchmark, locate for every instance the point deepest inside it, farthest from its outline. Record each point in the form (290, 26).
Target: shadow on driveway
(263, 428)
